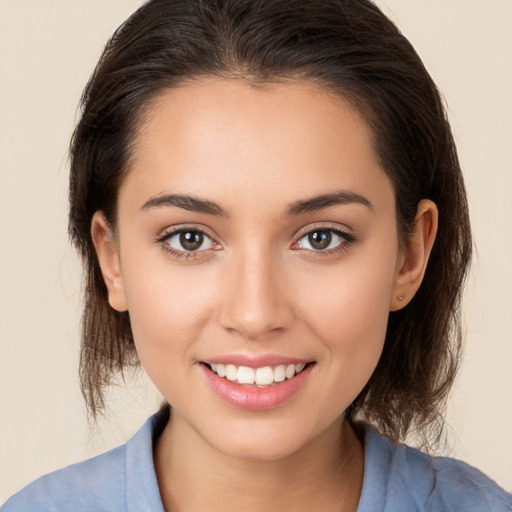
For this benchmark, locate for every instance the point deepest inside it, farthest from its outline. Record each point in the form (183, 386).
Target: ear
(108, 257)
(413, 258)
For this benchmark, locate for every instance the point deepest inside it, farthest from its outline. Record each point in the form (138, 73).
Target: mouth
(266, 384)
(262, 377)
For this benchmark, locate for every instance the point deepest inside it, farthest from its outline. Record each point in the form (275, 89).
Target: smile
(259, 377)
(256, 388)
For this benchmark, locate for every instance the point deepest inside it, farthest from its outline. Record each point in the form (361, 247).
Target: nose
(254, 297)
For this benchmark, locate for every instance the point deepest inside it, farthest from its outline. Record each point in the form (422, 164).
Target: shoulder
(449, 484)
(95, 484)
(431, 483)
(122, 479)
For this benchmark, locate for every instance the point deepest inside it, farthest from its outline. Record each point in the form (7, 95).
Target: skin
(258, 287)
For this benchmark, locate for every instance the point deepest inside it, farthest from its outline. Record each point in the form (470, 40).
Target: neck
(327, 473)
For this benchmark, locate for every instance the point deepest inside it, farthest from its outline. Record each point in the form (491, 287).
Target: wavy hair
(346, 46)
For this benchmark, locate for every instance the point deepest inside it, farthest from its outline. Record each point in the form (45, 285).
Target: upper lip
(256, 361)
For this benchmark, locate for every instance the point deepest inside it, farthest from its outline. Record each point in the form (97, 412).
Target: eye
(324, 240)
(188, 240)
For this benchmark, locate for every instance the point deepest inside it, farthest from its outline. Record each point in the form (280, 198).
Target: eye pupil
(191, 240)
(320, 239)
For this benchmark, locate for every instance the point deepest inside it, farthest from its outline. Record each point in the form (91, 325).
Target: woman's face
(256, 229)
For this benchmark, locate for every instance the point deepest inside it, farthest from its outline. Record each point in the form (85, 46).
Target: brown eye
(320, 240)
(189, 240)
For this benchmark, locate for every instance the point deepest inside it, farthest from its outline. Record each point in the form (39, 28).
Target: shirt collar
(142, 493)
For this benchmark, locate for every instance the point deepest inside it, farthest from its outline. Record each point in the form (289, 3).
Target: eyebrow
(195, 204)
(186, 202)
(326, 200)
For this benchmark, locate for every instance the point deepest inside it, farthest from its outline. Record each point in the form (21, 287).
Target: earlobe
(108, 257)
(412, 262)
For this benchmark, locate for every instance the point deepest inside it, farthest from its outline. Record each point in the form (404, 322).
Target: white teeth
(264, 376)
(221, 370)
(245, 375)
(290, 371)
(231, 371)
(280, 373)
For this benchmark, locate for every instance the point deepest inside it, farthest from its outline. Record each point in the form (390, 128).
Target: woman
(273, 222)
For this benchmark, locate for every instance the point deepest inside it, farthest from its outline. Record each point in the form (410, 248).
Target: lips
(256, 384)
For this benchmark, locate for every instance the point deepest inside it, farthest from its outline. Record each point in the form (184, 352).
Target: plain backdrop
(47, 51)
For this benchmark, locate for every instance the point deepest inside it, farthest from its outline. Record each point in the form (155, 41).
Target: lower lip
(253, 398)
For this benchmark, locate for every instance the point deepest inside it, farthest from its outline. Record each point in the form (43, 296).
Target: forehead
(220, 137)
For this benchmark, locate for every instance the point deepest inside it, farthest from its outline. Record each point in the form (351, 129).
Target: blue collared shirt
(397, 478)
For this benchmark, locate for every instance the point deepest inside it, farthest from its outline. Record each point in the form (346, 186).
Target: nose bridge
(255, 302)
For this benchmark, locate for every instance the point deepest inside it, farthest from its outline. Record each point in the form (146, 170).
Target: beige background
(47, 51)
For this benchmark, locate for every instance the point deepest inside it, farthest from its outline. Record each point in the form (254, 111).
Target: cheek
(348, 309)
(168, 307)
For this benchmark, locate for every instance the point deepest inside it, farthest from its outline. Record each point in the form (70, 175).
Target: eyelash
(346, 240)
(164, 241)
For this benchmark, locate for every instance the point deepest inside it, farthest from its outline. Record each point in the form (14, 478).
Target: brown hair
(347, 46)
